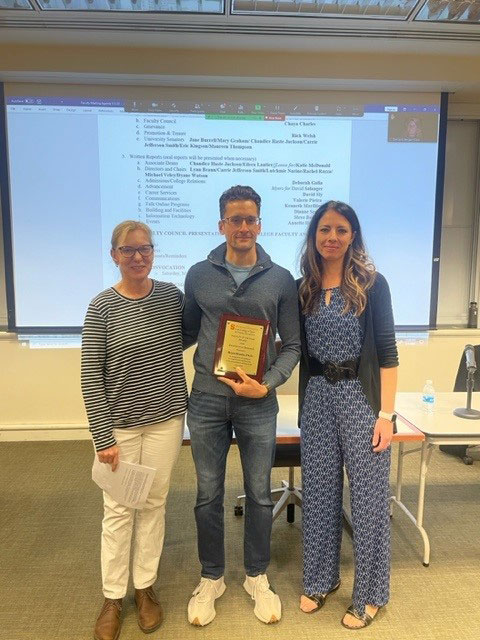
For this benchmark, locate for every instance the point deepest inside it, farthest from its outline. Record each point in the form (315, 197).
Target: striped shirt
(132, 361)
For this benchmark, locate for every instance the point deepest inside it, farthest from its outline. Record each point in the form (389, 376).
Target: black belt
(334, 371)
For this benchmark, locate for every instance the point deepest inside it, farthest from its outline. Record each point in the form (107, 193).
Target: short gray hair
(125, 227)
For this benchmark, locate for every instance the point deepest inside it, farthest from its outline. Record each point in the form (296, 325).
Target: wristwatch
(391, 417)
(269, 388)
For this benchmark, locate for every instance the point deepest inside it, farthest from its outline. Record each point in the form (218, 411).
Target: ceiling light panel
(166, 6)
(450, 11)
(15, 4)
(398, 9)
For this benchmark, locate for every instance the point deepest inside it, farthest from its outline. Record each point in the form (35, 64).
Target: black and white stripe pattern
(132, 361)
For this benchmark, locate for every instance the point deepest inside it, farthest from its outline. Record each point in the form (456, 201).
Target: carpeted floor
(50, 515)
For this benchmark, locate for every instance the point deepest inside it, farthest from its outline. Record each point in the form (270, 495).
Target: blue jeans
(211, 419)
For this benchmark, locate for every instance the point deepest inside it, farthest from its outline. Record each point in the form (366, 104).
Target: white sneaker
(201, 608)
(268, 607)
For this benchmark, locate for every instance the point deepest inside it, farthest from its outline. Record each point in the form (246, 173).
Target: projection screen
(81, 159)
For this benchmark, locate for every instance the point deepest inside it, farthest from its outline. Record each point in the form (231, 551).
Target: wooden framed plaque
(241, 342)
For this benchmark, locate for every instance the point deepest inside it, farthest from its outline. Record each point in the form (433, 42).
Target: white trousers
(155, 446)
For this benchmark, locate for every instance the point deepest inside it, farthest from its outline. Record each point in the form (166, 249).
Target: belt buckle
(331, 371)
(349, 372)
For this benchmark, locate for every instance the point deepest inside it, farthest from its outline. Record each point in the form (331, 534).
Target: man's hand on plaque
(247, 387)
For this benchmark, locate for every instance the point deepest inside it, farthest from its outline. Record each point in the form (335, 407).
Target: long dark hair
(358, 270)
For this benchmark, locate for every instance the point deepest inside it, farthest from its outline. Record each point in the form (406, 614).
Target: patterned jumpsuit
(336, 429)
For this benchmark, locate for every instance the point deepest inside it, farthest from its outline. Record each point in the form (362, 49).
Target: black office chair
(288, 495)
(460, 450)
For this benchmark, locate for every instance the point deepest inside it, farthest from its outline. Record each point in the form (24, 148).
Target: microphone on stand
(468, 412)
(470, 358)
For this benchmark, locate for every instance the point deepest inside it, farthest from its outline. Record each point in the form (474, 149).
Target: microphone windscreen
(470, 357)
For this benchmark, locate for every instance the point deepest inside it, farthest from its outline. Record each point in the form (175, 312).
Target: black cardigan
(378, 348)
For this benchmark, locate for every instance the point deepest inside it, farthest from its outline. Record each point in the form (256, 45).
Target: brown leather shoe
(149, 609)
(108, 622)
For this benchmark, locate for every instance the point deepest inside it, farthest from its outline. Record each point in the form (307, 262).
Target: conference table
(414, 424)
(439, 427)
(289, 433)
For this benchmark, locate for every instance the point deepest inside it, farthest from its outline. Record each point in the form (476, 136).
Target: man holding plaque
(235, 303)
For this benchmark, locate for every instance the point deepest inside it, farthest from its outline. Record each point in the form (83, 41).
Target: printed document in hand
(129, 484)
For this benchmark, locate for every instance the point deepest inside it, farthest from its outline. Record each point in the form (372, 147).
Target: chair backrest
(287, 455)
(461, 379)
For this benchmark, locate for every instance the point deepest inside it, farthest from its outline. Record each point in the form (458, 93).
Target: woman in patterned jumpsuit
(348, 378)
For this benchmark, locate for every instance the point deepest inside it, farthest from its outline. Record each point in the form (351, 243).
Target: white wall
(41, 396)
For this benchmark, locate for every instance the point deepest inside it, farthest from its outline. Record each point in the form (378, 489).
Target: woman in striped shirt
(133, 384)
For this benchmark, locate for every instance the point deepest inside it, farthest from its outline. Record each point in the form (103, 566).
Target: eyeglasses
(237, 221)
(144, 250)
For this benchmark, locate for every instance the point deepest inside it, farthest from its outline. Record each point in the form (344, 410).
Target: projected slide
(92, 163)
(163, 166)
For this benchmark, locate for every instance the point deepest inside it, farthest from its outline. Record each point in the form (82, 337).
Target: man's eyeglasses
(237, 221)
(144, 250)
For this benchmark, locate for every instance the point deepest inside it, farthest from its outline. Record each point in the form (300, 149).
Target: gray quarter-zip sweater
(268, 292)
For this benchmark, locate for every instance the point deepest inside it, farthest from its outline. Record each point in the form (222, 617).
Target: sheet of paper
(129, 484)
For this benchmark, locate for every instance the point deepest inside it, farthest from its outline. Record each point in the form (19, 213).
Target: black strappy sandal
(319, 598)
(366, 618)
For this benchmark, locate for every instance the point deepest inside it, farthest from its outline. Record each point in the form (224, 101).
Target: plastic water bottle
(428, 397)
